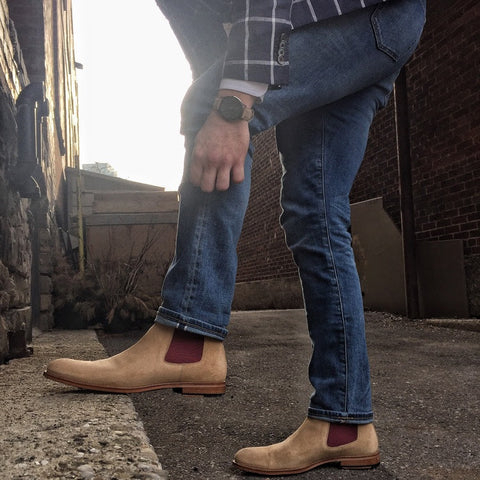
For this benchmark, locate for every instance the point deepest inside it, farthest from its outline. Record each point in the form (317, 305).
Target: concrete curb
(51, 431)
(468, 324)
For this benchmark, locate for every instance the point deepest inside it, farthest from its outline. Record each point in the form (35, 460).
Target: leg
(183, 350)
(166, 357)
(198, 292)
(199, 285)
(321, 153)
(198, 288)
(328, 61)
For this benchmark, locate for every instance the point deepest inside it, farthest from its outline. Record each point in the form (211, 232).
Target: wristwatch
(232, 109)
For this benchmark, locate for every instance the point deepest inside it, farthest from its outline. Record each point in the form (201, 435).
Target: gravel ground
(426, 397)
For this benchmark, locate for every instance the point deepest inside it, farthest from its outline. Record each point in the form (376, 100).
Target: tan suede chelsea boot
(315, 443)
(156, 361)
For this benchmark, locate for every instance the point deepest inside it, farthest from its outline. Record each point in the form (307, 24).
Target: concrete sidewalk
(49, 431)
(426, 392)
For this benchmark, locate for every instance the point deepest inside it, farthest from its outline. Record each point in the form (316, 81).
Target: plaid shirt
(258, 46)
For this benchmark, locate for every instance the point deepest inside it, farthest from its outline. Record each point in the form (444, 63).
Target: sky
(131, 86)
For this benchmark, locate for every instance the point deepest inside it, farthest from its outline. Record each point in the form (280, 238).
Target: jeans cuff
(340, 417)
(183, 322)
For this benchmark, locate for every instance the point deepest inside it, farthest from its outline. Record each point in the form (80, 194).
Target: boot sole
(346, 463)
(184, 388)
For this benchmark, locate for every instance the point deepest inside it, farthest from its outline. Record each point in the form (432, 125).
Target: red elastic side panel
(185, 347)
(340, 434)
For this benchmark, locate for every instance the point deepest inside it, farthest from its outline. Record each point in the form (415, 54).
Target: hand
(219, 152)
(220, 148)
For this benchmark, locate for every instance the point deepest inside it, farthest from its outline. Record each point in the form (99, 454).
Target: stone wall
(15, 245)
(38, 138)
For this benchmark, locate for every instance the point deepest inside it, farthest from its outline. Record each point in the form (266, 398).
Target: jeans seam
(327, 229)
(190, 285)
(377, 31)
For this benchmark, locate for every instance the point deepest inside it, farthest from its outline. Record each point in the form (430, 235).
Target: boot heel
(363, 463)
(206, 390)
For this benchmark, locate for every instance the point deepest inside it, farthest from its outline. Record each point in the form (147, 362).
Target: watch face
(231, 108)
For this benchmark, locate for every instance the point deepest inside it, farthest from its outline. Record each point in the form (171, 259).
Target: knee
(317, 223)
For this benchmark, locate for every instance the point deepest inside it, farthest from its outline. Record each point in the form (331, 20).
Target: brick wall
(262, 252)
(444, 115)
(27, 16)
(445, 131)
(446, 126)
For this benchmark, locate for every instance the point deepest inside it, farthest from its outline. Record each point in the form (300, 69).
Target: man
(318, 70)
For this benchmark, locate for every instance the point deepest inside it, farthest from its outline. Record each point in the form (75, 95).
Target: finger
(223, 179)
(209, 177)
(238, 173)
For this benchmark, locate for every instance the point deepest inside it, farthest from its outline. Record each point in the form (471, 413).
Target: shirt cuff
(256, 89)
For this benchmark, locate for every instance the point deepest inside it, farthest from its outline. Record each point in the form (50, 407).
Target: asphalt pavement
(426, 394)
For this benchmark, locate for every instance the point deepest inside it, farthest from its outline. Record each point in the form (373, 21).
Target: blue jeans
(341, 72)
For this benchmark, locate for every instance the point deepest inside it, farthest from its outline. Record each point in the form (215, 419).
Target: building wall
(444, 110)
(45, 32)
(262, 253)
(444, 115)
(129, 230)
(36, 51)
(15, 246)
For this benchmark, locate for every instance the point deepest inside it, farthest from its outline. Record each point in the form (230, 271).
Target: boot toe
(253, 459)
(58, 368)
(64, 370)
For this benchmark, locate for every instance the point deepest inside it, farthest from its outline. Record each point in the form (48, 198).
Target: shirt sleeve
(255, 89)
(258, 41)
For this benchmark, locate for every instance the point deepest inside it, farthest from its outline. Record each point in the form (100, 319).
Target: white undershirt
(256, 89)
